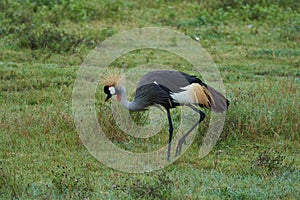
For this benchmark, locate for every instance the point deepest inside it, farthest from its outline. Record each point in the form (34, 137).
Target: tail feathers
(219, 103)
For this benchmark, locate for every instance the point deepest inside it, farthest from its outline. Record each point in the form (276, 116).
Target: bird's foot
(179, 145)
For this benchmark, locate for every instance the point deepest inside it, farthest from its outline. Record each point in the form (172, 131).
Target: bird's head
(110, 91)
(112, 81)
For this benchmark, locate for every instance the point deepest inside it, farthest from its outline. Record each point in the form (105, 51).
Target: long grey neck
(131, 106)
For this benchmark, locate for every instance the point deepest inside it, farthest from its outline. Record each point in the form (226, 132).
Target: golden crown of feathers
(111, 78)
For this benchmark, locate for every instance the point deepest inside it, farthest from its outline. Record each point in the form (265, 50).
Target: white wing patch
(194, 94)
(186, 96)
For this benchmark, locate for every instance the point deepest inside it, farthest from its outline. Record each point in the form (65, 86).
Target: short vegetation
(255, 45)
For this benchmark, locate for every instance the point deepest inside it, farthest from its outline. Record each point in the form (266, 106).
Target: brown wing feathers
(210, 98)
(202, 95)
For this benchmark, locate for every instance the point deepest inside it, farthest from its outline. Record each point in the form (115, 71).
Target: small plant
(273, 161)
(71, 182)
(154, 186)
(10, 184)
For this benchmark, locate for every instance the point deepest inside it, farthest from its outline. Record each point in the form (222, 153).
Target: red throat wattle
(119, 97)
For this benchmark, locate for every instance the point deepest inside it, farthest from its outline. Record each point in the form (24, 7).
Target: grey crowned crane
(169, 89)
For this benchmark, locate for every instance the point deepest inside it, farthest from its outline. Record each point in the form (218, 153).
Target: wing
(174, 81)
(171, 79)
(152, 94)
(192, 79)
(217, 101)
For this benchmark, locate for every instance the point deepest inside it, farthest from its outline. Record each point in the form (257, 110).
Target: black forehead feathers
(106, 90)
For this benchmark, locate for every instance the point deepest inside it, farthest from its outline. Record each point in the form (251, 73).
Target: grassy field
(254, 45)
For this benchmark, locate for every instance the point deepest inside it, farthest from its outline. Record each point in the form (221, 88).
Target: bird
(168, 89)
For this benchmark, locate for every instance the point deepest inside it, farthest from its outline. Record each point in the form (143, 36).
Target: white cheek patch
(112, 90)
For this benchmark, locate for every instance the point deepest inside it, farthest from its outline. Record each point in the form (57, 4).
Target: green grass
(255, 46)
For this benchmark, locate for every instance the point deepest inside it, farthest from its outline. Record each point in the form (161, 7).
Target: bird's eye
(112, 90)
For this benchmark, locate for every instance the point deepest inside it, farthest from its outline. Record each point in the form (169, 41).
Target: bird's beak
(108, 97)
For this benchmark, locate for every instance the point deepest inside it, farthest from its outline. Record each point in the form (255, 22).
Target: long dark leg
(182, 140)
(170, 132)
